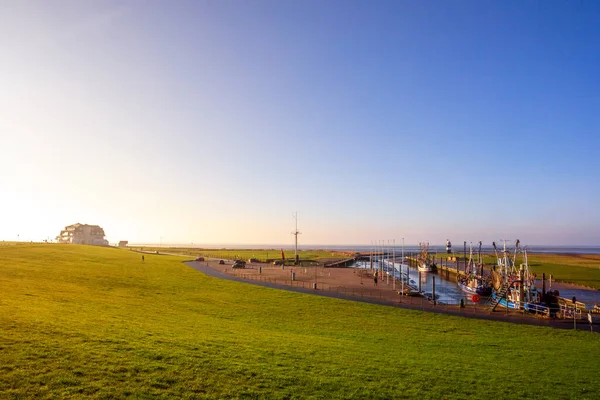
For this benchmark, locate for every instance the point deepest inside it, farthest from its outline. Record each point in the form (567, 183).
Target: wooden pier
(341, 263)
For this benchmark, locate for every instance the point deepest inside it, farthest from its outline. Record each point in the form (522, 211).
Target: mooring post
(543, 284)
(465, 255)
(574, 312)
(433, 290)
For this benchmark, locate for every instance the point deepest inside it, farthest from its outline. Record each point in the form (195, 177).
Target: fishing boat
(473, 284)
(568, 308)
(424, 262)
(515, 288)
(472, 281)
(425, 267)
(521, 297)
(409, 291)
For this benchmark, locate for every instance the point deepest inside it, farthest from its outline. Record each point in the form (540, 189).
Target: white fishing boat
(473, 281)
(514, 288)
(424, 261)
(425, 267)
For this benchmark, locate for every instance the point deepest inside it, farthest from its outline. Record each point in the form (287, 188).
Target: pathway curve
(428, 307)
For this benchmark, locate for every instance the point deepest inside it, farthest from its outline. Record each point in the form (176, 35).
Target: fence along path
(406, 302)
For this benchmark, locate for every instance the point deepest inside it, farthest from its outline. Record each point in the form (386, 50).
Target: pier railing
(311, 278)
(383, 293)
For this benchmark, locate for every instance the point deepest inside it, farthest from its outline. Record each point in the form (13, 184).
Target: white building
(82, 234)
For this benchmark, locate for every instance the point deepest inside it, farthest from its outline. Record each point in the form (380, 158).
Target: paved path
(496, 316)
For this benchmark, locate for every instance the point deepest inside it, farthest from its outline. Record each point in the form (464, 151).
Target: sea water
(457, 248)
(449, 292)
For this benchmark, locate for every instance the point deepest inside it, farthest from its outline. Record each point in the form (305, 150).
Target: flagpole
(402, 267)
(387, 279)
(394, 264)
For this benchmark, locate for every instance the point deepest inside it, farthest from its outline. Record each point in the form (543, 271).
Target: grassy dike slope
(79, 321)
(581, 269)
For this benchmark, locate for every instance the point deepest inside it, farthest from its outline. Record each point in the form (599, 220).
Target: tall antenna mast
(296, 233)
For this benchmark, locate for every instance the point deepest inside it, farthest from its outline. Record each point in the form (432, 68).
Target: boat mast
(387, 278)
(517, 248)
(505, 260)
(381, 259)
(471, 261)
(496, 253)
(479, 259)
(526, 266)
(394, 264)
(401, 267)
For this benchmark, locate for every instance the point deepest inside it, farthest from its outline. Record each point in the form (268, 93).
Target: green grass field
(78, 321)
(244, 254)
(581, 269)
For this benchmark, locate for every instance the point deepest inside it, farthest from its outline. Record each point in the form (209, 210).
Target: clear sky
(213, 121)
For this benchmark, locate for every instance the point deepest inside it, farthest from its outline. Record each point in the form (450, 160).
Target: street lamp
(402, 268)
(316, 268)
(394, 265)
(387, 279)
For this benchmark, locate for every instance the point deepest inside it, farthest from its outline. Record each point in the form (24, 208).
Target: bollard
(315, 285)
(260, 270)
(433, 290)
(282, 266)
(293, 276)
(543, 284)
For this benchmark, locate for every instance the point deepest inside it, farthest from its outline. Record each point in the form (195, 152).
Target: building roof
(77, 225)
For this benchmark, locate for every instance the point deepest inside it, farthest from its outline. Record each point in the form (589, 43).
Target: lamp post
(465, 255)
(316, 268)
(296, 233)
(381, 261)
(401, 267)
(387, 279)
(371, 257)
(394, 265)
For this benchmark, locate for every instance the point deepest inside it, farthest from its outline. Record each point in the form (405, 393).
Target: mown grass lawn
(582, 269)
(244, 254)
(78, 321)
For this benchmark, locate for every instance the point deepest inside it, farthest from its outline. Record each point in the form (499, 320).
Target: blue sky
(212, 121)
